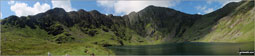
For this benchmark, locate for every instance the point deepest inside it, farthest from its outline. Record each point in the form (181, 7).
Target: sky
(115, 7)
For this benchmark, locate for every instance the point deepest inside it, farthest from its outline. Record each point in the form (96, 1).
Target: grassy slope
(26, 41)
(236, 27)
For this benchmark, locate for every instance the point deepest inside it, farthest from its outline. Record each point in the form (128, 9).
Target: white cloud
(223, 2)
(66, 4)
(11, 2)
(209, 10)
(109, 4)
(126, 6)
(199, 13)
(204, 9)
(201, 7)
(22, 9)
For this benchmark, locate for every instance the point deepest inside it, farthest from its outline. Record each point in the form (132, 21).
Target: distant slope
(170, 25)
(215, 26)
(238, 26)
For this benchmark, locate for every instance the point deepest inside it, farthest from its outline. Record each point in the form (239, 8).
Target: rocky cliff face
(169, 22)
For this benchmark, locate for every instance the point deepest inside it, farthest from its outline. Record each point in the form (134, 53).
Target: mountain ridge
(152, 25)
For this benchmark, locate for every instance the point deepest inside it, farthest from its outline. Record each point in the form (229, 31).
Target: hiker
(49, 54)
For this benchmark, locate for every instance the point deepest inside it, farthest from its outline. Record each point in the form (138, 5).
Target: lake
(191, 48)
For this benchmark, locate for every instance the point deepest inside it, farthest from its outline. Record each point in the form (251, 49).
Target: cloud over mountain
(224, 2)
(126, 6)
(22, 9)
(65, 4)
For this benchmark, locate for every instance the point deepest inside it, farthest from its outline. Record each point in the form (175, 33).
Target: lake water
(194, 48)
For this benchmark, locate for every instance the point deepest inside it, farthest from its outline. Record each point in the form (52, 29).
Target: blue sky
(115, 7)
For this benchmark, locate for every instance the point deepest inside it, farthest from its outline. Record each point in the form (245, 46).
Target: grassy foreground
(23, 41)
(27, 41)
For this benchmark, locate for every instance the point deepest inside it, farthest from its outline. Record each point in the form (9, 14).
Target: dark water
(196, 48)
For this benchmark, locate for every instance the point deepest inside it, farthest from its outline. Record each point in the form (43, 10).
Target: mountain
(87, 32)
(163, 23)
(235, 26)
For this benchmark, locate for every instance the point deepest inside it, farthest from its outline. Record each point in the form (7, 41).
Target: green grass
(26, 41)
(23, 41)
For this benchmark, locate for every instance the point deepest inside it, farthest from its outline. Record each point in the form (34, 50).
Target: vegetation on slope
(235, 27)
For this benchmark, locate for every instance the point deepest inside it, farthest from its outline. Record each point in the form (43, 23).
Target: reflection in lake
(194, 48)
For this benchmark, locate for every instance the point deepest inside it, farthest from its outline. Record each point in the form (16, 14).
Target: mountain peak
(95, 12)
(81, 10)
(56, 11)
(151, 6)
